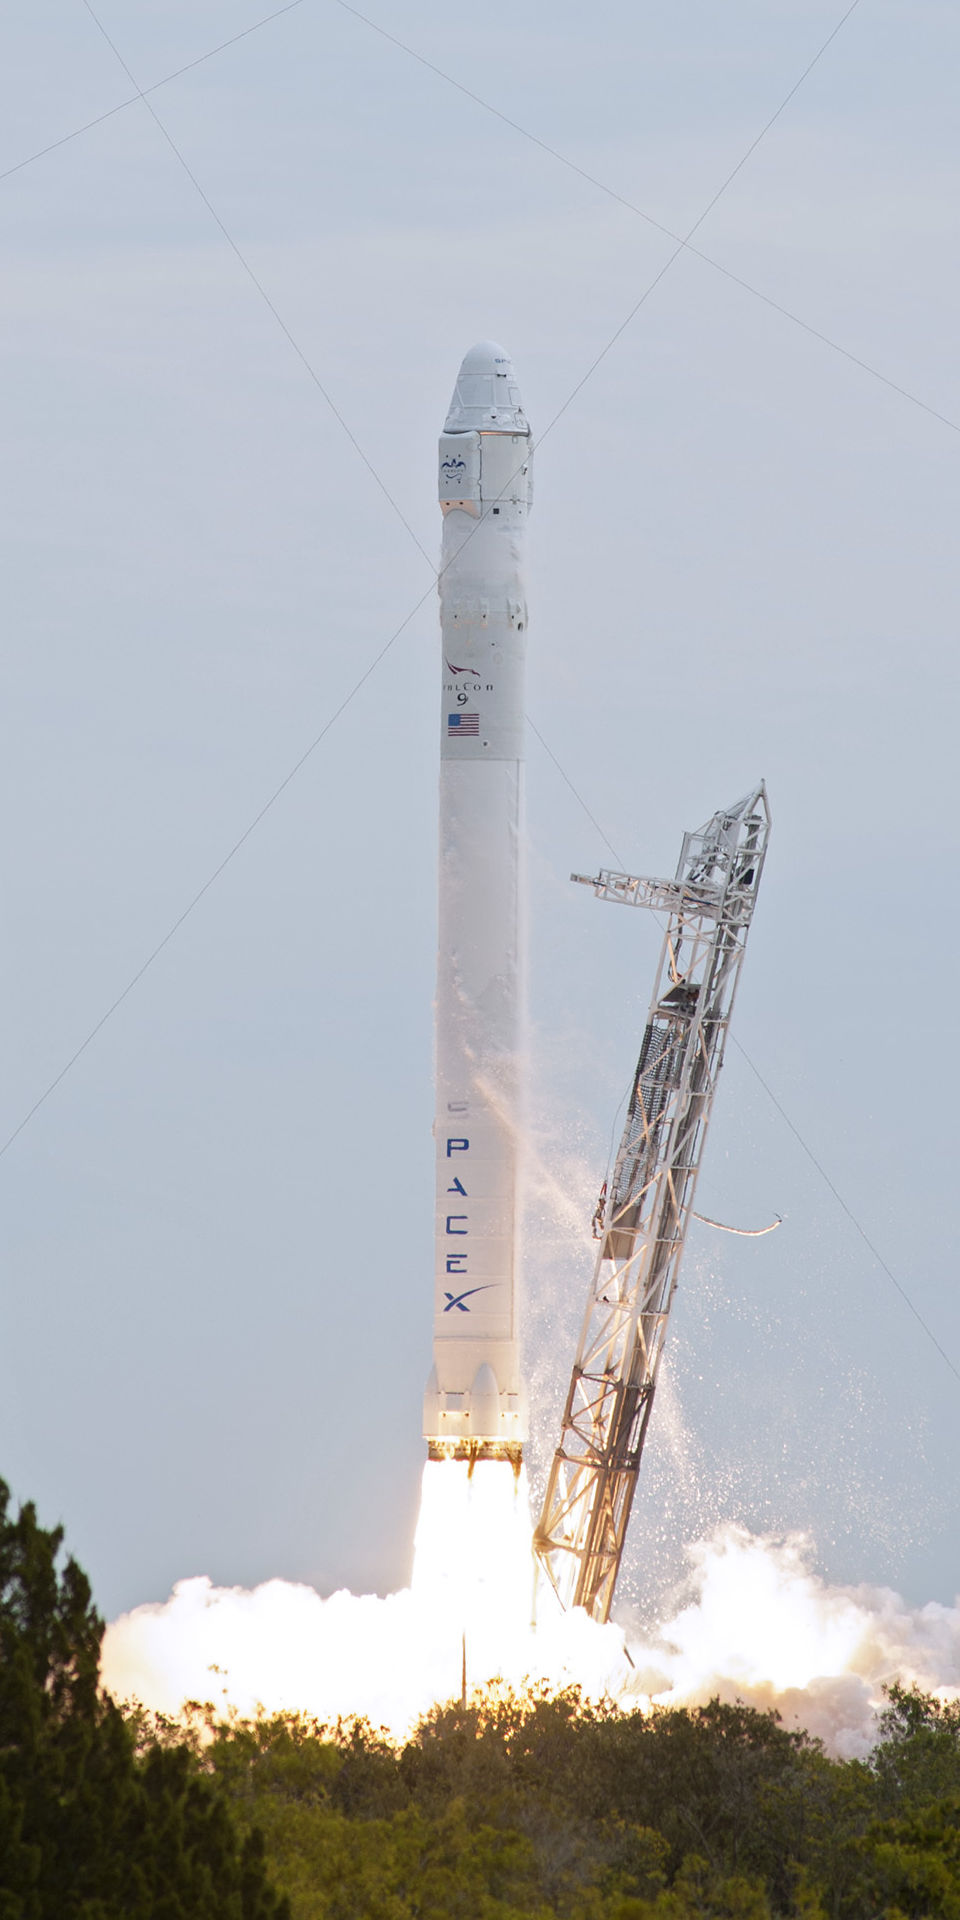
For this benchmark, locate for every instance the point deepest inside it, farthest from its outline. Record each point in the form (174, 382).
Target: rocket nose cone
(486, 398)
(487, 357)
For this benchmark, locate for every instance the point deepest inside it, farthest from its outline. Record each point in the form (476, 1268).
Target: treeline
(547, 1806)
(518, 1809)
(97, 1823)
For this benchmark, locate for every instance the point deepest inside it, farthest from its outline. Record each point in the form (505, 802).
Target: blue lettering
(457, 1146)
(451, 1228)
(457, 1263)
(457, 1188)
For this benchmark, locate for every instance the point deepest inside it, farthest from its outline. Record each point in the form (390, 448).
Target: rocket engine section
(474, 1404)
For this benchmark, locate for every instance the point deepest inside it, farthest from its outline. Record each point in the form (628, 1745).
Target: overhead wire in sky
(375, 662)
(258, 284)
(563, 159)
(768, 1090)
(784, 1115)
(848, 1210)
(98, 120)
(683, 241)
(682, 245)
(241, 841)
(701, 217)
(578, 796)
(213, 877)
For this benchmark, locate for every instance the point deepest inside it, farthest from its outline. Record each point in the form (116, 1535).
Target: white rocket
(474, 1405)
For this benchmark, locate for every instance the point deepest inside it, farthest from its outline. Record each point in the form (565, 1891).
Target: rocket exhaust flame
(755, 1621)
(755, 1624)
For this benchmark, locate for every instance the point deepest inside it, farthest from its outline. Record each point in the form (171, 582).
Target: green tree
(88, 1829)
(911, 1866)
(917, 1758)
(540, 1807)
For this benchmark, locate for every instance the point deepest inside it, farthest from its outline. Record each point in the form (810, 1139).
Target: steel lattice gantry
(642, 1221)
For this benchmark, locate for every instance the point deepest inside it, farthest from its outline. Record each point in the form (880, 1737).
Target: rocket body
(474, 1405)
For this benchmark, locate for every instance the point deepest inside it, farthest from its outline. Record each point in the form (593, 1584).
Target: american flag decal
(460, 724)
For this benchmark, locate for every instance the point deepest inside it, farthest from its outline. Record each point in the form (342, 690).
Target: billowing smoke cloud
(749, 1618)
(385, 1660)
(756, 1624)
(761, 1626)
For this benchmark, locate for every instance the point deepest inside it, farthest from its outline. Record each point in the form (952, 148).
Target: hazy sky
(217, 1230)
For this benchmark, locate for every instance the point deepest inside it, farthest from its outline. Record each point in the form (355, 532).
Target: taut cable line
(258, 284)
(189, 66)
(659, 226)
(563, 159)
(142, 95)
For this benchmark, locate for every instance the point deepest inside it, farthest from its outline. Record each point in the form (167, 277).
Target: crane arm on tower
(646, 1211)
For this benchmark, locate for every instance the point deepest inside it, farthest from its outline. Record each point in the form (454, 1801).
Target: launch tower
(643, 1219)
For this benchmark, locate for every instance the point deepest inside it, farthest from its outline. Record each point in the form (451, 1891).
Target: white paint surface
(475, 1390)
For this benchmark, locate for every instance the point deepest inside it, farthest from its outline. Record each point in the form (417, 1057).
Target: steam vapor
(757, 1624)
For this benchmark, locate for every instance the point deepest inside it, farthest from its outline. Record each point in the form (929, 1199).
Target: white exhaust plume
(282, 1647)
(762, 1627)
(758, 1625)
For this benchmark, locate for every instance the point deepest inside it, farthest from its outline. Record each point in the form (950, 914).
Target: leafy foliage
(537, 1807)
(90, 1828)
(545, 1806)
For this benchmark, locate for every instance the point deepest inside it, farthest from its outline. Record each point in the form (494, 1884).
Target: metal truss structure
(642, 1221)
